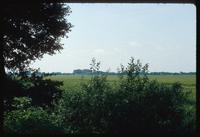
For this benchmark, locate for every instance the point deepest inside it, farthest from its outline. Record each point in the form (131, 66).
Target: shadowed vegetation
(129, 103)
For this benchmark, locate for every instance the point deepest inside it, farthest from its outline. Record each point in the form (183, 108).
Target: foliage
(13, 89)
(136, 104)
(42, 92)
(83, 110)
(21, 102)
(154, 107)
(29, 120)
(32, 30)
(30, 111)
(145, 105)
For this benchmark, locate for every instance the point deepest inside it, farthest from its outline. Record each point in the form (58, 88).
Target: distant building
(82, 71)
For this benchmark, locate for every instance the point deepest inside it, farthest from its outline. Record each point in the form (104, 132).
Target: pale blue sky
(163, 35)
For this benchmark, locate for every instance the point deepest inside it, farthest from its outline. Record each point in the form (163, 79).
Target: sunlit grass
(74, 81)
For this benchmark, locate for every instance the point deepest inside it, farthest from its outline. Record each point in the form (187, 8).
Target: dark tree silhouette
(30, 31)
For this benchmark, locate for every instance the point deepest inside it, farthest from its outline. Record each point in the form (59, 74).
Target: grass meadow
(74, 81)
(110, 105)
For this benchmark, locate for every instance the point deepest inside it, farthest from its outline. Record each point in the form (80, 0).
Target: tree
(30, 31)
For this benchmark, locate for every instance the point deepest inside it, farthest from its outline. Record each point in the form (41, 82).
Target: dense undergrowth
(134, 104)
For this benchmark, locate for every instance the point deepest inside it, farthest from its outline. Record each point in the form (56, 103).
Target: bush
(136, 104)
(26, 119)
(84, 111)
(145, 105)
(43, 92)
(155, 108)
(13, 88)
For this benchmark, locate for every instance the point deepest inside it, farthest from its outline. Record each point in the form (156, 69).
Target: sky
(162, 35)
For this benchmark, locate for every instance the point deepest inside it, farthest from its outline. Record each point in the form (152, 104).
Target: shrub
(145, 105)
(26, 119)
(135, 104)
(43, 92)
(84, 111)
(28, 103)
(13, 88)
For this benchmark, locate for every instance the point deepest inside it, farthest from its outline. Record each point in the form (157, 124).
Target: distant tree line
(41, 74)
(172, 73)
(89, 72)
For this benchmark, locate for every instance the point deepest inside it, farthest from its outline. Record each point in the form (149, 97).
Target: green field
(86, 107)
(74, 81)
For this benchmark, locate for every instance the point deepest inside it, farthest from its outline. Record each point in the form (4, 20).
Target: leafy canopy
(32, 30)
